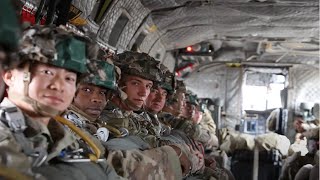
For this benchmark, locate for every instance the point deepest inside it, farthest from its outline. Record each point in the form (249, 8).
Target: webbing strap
(14, 119)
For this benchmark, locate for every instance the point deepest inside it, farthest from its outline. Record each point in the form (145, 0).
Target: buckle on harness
(76, 156)
(14, 119)
(39, 156)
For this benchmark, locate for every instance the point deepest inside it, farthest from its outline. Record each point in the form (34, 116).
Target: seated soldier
(40, 87)
(174, 106)
(91, 98)
(303, 150)
(157, 99)
(183, 131)
(164, 159)
(9, 37)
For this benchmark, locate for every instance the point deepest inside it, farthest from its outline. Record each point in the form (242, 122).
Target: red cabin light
(189, 48)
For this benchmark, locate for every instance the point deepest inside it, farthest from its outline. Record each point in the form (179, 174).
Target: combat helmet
(102, 73)
(55, 46)
(139, 64)
(168, 82)
(192, 98)
(9, 32)
(180, 88)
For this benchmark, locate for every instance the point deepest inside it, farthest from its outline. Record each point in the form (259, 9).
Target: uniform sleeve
(311, 133)
(208, 122)
(208, 140)
(158, 163)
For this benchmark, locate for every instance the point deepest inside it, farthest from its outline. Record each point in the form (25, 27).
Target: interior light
(189, 48)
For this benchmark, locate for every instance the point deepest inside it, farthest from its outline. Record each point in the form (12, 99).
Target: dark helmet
(139, 64)
(9, 33)
(192, 98)
(102, 74)
(169, 82)
(181, 86)
(55, 46)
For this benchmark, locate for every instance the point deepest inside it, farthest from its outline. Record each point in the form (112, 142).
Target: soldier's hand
(210, 162)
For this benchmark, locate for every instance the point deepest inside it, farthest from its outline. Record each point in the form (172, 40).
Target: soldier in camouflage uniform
(91, 97)
(157, 99)
(39, 89)
(139, 73)
(304, 158)
(185, 130)
(9, 36)
(154, 105)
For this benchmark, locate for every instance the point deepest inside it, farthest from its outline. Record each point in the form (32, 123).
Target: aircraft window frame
(262, 97)
(118, 28)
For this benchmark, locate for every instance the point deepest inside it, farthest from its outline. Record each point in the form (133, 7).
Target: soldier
(40, 87)
(304, 151)
(155, 103)
(139, 73)
(9, 36)
(157, 99)
(91, 98)
(175, 106)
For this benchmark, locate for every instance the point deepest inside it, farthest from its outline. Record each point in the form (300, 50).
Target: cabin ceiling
(243, 31)
(184, 23)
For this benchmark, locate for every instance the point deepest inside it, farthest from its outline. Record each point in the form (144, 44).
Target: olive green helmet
(9, 28)
(139, 64)
(181, 86)
(192, 98)
(55, 46)
(102, 74)
(10, 33)
(169, 82)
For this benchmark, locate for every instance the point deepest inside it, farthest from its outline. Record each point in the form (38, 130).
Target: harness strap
(14, 119)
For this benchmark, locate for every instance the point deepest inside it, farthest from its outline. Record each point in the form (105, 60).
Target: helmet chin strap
(124, 98)
(131, 105)
(39, 108)
(74, 108)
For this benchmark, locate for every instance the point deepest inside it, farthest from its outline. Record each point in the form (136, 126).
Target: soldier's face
(180, 104)
(197, 116)
(90, 99)
(297, 123)
(156, 100)
(137, 90)
(189, 110)
(50, 85)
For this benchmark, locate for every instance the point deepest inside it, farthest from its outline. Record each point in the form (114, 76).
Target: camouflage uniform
(159, 163)
(144, 66)
(207, 123)
(49, 150)
(129, 162)
(299, 159)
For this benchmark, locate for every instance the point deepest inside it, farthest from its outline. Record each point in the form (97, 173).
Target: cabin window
(117, 29)
(100, 9)
(139, 41)
(262, 91)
